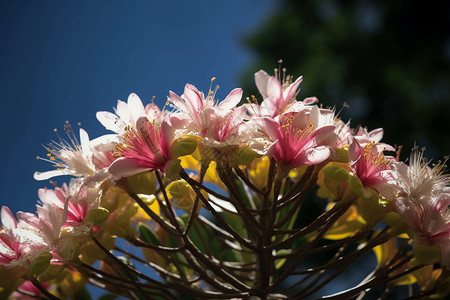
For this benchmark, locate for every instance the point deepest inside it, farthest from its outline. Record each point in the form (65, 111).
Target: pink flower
(294, 140)
(146, 147)
(423, 203)
(9, 246)
(127, 114)
(47, 224)
(85, 158)
(206, 117)
(372, 167)
(75, 205)
(217, 124)
(278, 95)
(29, 288)
(17, 244)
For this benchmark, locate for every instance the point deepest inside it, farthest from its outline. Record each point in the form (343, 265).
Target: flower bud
(173, 169)
(335, 172)
(52, 272)
(142, 183)
(40, 263)
(246, 156)
(184, 146)
(97, 216)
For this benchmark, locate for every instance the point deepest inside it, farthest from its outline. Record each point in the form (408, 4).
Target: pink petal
(269, 106)
(193, 97)
(274, 89)
(316, 155)
(261, 79)
(291, 90)
(124, 167)
(232, 100)
(309, 100)
(177, 101)
(354, 151)
(8, 220)
(376, 135)
(269, 126)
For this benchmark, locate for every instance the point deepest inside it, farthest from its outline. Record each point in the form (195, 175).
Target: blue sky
(66, 60)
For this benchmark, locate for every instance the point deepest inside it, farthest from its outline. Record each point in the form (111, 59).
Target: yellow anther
(49, 154)
(212, 79)
(52, 158)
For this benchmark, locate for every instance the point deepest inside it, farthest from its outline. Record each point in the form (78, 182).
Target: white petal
(105, 142)
(110, 121)
(50, 197)
(49, 174)
(232, 100)
(122, 111)
(8, 220)
(261, 79)
(135, 107)
(85, 144)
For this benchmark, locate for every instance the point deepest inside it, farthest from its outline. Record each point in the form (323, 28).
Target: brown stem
(229, 229)
(247, 181)
(165, 225)
(167, 205)
(46, 293)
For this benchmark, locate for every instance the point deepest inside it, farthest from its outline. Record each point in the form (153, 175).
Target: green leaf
(147, 235)
(83, 294)
(108, 297)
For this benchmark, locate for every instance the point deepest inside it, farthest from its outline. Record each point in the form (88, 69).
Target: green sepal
(97, 216)
(52, 272)
(246, 156)
(335, 172)
(356, 186)
(142, 183)
(184, 146)
(173, 169)
(40, 264)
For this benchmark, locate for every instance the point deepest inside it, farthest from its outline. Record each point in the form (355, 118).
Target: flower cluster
(211, 190)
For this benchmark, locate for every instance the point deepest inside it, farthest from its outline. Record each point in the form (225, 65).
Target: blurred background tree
(389, 60)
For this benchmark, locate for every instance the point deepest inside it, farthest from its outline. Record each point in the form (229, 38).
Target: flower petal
(8, 220)
(274, 89)
(124, 167)
(291, 90)
(49, 174)
(232, 100)
(109, 120)
(261, 79)
(135, 107)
